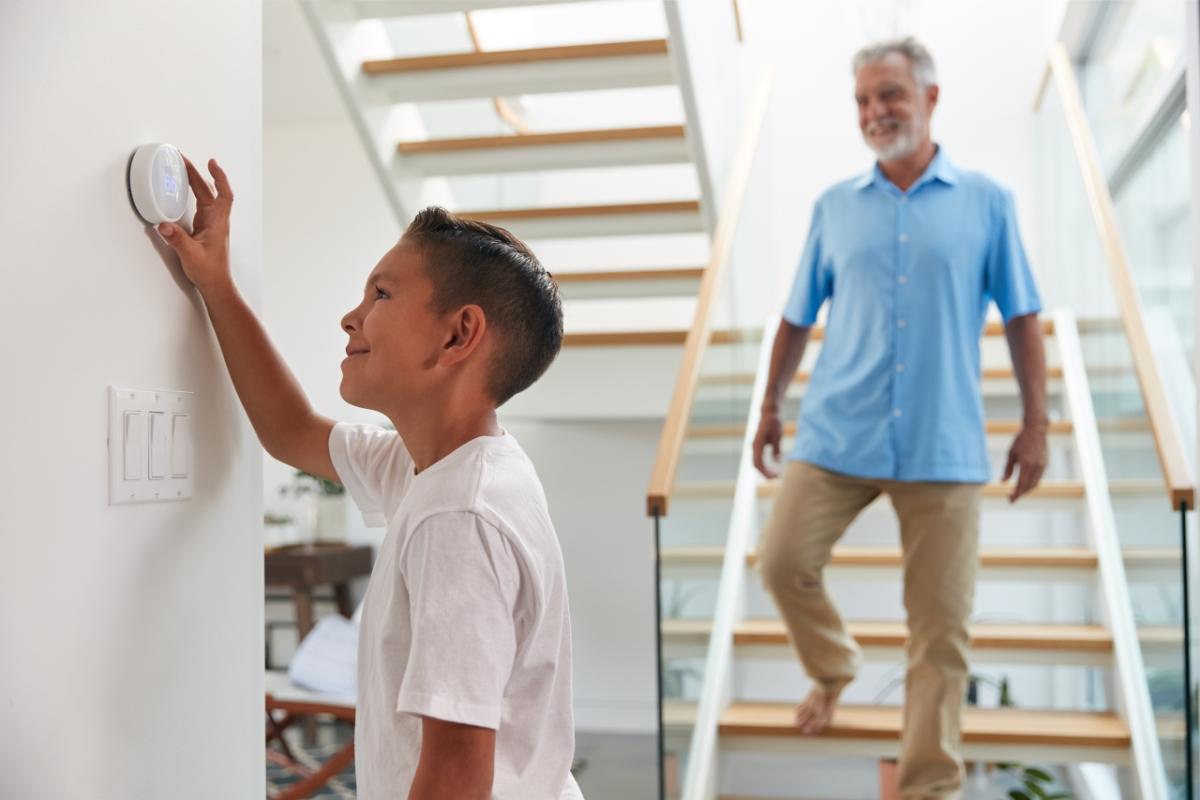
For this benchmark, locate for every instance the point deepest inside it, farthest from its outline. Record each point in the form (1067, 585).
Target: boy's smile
(394, 334)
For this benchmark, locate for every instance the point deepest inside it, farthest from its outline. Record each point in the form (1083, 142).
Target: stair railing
(1168, 441)
(700, 335)
(1133, 690)
(1178, 479)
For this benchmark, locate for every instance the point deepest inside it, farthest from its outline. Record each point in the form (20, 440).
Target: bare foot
(815, 712)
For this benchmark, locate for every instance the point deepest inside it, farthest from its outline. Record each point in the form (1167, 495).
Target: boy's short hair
(472, 262)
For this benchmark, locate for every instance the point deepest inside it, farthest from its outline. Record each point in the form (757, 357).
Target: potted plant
(327, 519)
(279, 530)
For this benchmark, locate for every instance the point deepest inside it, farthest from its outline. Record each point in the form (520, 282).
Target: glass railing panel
(694, 532)
(1154, 215)
(1079, 277)
(1128, 69)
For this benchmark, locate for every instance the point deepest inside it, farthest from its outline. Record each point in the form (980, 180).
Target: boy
(464, 687)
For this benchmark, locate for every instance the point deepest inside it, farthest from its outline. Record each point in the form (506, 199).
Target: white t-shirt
(465, 617)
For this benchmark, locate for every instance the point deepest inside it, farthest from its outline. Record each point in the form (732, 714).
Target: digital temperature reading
(157, 181)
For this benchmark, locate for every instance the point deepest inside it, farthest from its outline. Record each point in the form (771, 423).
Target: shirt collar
(941, 169)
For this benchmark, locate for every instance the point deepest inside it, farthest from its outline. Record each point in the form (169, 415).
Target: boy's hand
(204, 255)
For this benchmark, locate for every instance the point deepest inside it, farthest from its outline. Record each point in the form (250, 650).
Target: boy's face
(395, 336)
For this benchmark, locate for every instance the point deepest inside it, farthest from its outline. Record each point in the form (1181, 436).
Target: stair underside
(663, 144)
(383, 9)
(505, 73)
(671, 216)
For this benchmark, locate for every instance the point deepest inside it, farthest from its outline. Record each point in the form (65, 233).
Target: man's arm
(1028, 451)
(786, 354)
(456, 763)
(278, 409)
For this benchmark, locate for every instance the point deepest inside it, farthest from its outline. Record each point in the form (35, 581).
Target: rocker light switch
(160, 445)
(134, 444)
(150, 450)
(181, 445)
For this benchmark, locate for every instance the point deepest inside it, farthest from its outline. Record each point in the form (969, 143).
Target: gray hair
(919, 60)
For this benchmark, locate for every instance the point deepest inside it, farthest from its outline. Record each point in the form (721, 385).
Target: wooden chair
(288, 703)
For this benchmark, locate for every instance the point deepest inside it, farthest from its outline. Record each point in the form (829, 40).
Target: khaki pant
(939, 533)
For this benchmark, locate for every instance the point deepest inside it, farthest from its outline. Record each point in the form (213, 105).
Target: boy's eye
(380, 293)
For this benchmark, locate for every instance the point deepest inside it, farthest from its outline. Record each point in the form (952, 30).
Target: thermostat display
(158, 183)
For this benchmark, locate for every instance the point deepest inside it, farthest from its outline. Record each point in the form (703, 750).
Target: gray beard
(904, 145)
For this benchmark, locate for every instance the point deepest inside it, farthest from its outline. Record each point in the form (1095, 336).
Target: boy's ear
(467, 327)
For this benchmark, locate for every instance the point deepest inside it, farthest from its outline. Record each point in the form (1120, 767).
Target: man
(464, 666)
(909, 257)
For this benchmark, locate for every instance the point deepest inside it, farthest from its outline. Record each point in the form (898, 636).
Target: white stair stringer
(1132, 691)
(344, 40)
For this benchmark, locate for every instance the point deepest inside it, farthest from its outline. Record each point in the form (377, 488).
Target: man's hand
(204, 254)
(770, 432)
(1028, 456)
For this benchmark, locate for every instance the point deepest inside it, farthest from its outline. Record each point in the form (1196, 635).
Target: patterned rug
(340, 788)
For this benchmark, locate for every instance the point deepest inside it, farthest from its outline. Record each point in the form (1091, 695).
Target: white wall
(131, 635)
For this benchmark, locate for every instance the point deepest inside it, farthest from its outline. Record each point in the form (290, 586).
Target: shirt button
(901, 323)
(899, 368)
(903, 238)
(895, 412)
(903, 279)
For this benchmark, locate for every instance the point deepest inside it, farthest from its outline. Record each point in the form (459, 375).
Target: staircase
(599, 178)
(1079, 605)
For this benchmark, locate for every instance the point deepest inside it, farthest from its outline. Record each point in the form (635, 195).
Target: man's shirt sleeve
(374, 466)
(1009, 279)
(463, 581)
(814, 279)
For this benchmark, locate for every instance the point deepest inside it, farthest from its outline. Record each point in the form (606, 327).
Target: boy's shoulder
(491, 477)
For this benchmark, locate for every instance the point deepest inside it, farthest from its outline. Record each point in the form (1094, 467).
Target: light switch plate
(163, 429)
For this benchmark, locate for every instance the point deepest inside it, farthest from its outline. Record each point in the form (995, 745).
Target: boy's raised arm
(286, 424)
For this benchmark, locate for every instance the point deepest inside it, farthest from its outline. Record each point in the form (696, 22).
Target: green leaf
(1038, 774)
(1017, 794)
(1035, 789)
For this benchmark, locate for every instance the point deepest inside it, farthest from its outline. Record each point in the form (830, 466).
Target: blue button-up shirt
(895, 393)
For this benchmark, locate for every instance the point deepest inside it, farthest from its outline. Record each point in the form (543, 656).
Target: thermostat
(158, 183)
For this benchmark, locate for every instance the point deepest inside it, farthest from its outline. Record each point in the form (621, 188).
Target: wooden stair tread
(804, 376)
(647, 337)
(980, 725)
(737, 430)
(984, 636)
(657, 274)
(1047, 490)
(990, 558)
(600, 135)
(487, 58)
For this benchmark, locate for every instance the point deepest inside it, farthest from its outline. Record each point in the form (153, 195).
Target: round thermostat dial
(158, 183)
